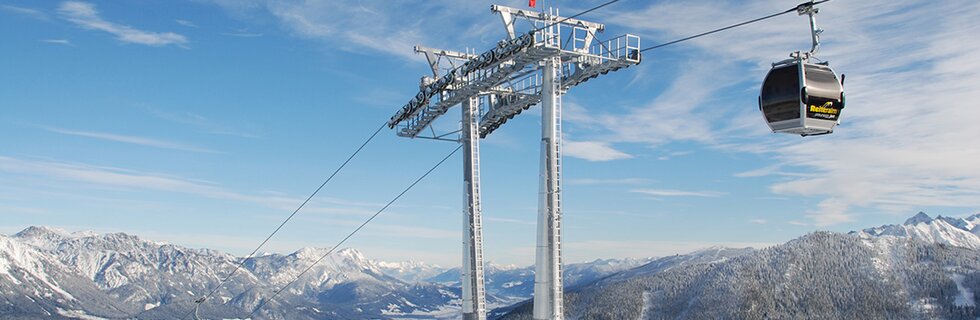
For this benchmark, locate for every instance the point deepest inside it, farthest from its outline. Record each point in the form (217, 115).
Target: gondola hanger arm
(807, 8)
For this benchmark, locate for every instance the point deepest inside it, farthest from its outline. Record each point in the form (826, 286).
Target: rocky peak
(920, 217)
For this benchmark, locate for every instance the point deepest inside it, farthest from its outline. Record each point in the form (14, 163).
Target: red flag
(531, 3)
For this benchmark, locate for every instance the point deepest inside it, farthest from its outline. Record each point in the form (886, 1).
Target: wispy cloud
(683, 112)
(677, 193)
(506, 220)
(592, 181)
(374, 26)
(86, 16)
(131, 179)
(243, 34)
(593, 151)
(65, 42)
(186, 23)
(394, 231)
(143, 141)
(90, 176)
(347, 26)
(402, 232)
(671, 155)
(202, 123)
(759, 221)
(28, 12)
(760, 172)
(5, 209)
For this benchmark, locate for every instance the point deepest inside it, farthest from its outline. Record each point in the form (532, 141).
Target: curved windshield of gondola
(824, 93)
(780, 96)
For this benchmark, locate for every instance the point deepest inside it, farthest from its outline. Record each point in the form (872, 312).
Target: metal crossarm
(613, 55)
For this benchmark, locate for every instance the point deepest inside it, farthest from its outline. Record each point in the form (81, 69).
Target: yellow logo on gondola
(825, 108)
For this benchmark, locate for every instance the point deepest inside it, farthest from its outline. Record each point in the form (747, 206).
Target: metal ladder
(477, 218)
(473, 278)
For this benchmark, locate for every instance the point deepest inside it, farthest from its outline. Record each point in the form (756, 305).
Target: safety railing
(625, 47)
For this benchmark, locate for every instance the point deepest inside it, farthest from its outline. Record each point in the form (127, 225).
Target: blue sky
(205, 123)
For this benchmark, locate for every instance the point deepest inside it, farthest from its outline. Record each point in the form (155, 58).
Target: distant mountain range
(925, 268)
(510, 284)
(47, 273)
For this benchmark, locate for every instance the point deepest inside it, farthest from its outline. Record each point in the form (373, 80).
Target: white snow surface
(76, 314)
(149, 306)
(14, 255)
(8, 256)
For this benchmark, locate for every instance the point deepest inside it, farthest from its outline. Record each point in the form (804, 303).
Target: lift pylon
(547, 263)
(525, 69)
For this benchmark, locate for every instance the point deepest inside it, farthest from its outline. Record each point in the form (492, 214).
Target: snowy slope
(32, 284)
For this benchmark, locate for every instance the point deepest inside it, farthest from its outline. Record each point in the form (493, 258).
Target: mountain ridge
(929, 262)
(926, 268)
(159, 280)
(960, 232)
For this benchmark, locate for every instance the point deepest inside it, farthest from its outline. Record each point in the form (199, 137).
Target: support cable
(351, 234)
(290, 217)
(798, 7)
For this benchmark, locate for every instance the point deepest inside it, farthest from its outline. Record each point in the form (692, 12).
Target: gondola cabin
(801, 98)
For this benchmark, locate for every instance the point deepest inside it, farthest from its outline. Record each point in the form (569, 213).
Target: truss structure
(534, 67)
(507, 74)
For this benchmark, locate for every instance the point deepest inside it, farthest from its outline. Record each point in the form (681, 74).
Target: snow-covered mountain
(960, 232)
(923, 269)
(410, 271)
(134, 271)
(32, 284)
(122, 276)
